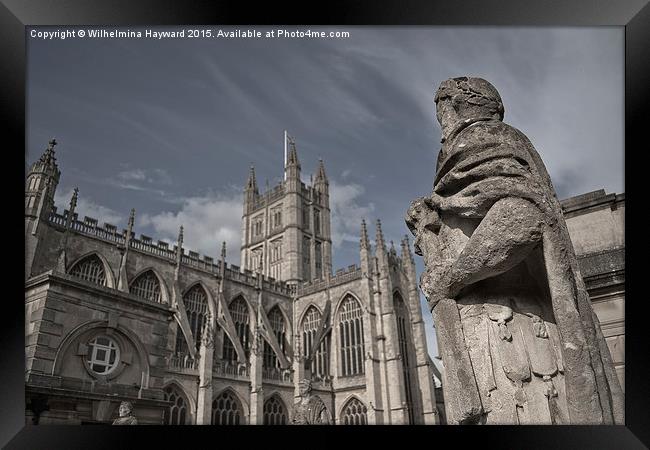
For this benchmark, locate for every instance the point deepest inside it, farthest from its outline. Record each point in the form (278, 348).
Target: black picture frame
(15, 15)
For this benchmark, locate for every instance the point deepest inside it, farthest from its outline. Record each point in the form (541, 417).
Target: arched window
(274, 412)
(239, 313)
(310, 327)
(196, 307)
(354, 413)
(226, 410)
(277, 326)
(90, 269)
(351, 337)
(404, 339)
(176, 413)
(147, 286)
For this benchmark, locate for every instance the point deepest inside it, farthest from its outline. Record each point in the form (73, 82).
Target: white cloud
(347, 211)
(134, 174)
(87, 207)
(207, 221)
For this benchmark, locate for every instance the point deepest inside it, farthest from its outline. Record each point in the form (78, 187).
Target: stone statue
(126, 415)
(516, 331)
(310, 409)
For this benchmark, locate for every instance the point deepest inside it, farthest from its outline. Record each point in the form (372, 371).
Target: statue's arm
(510, 230)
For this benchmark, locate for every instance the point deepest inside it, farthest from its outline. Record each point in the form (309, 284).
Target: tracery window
(306, 260)
(354, 413)
(257, 260)
(274, 412)
(239, 313)
(147, 286)
(351, 341)
(318, 263)
(277, 326)
(316, 221)
(90, 269)
(403, 337)
(226, 410)
(176, 413)
(196, 308)
(103, 355)
(310, 327)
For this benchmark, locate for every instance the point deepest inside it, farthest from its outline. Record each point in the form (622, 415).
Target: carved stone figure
(515, 327)
(126, 415)
(310, 409)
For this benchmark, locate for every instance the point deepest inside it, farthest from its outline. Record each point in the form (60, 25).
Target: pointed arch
(349, 318)
(309, 327)
(240, 313)
(212, 304)
(149, 285)
(353, 412)
(227, 408)
(278, 324)
(178, 412)
(405, 342)
(275, 411)
(84, 268)
(346, 294)
(197, 304)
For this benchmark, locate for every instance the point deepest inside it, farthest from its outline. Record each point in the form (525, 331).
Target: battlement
(160, 249)
(342, 276)
(268, 197)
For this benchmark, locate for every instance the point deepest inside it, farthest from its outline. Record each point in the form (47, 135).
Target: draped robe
(529, 316)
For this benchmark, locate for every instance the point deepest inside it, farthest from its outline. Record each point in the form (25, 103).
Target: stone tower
(40, 187)
(286, 230)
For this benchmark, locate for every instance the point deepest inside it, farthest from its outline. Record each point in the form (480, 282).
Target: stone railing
(184, 363)
(341, 276)
(161, 249)
(230, 369)
(234, 273)
(147, 246)
(284, 376)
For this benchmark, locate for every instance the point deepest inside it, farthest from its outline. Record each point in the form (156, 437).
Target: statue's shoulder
(492, 131)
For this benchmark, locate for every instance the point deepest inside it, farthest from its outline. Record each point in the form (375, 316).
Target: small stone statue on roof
(126, 415)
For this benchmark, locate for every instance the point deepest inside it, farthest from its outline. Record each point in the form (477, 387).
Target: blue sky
(170, 127)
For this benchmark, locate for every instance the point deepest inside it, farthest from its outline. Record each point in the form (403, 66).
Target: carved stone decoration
(515, 326)
(310, 409)
(126, 415)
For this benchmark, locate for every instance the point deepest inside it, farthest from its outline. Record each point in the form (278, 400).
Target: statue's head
(126, 409)
(464, 98)
(304, 387)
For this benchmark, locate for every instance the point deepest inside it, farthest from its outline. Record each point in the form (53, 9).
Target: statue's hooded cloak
(484, 160)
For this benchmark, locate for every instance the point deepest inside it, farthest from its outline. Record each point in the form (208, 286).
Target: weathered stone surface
(516, 329)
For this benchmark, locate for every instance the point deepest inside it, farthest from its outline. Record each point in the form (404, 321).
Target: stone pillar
(206, 355)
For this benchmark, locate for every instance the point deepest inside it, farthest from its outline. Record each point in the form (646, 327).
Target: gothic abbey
(111, 317)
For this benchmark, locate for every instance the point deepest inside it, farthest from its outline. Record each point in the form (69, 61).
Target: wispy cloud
(208, 220)
(347, 209)
(87, 207)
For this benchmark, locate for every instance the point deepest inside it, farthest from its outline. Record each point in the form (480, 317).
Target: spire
(73, 206)
(393, 252)
(252, 182)
(365, 243)
(130, 224)
(180, 237)
(380, 236)
(292, 157)
(406, 250)
(47, 157)
(222, 267)
(73, 200)
(321, 176)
